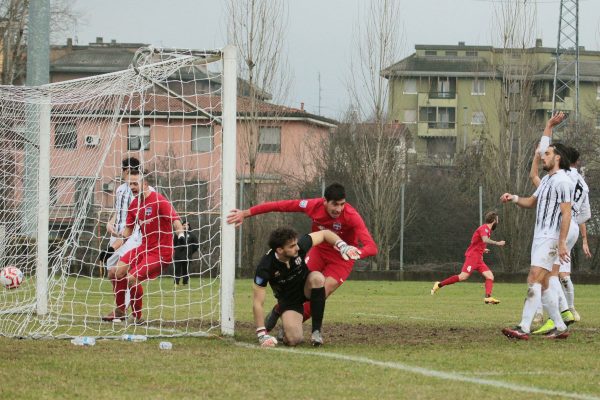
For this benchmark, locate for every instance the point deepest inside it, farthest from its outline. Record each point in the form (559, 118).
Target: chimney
(302, 106)
(98, 40)
(538, 42)
(461, 43)
(69, 42)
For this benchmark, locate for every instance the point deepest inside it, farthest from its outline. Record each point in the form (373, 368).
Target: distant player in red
(474, 258)
(157, 218)
(332, 213)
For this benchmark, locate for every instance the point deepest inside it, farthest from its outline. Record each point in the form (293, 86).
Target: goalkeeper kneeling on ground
(285, 270)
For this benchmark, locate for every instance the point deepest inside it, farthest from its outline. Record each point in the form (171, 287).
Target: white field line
(420, 318)
(451, 376)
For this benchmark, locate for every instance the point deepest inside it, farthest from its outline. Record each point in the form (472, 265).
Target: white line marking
(419, 318)
(452, 376)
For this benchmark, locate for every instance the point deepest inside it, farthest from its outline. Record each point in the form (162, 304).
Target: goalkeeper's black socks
(317, 306)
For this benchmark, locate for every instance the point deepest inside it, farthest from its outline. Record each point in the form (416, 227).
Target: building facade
(450, 95)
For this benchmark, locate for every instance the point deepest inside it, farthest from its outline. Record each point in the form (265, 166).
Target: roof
(414, 65)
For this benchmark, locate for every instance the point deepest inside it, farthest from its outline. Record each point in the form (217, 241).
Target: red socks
(120, 288)
(136, 293)
(449, 281)
(306, 313)
(489, 284)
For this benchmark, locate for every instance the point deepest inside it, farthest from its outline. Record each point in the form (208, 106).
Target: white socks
(550, 302)
(569, 291)
(533, 299)
(554, 284)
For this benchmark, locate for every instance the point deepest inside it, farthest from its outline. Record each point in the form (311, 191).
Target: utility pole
(566, 67)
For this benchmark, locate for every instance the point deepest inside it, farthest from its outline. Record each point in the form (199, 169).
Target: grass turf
(378, 331)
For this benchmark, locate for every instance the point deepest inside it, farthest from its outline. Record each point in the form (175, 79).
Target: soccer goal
(61, 147)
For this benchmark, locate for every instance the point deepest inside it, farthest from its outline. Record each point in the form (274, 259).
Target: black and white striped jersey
(581, 201)
(553, 190)
(123, 197)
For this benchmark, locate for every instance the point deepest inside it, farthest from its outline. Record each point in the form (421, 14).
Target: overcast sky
(319, 35)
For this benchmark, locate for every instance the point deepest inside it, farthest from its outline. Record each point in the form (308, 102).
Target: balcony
(545, 103)
(437, 99)
(436, 129)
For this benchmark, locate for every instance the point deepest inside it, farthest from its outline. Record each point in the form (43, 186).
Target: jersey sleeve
(369, 248)
(166, 210)
(304, 206)
(484, 231)
(305, 243)
(585, 212)
(564, 192)
(263, 273)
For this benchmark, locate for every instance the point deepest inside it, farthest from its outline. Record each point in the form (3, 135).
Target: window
(478, 88)
(269, 140)
(471, 53)
(410, 117)
(138, 136)
(430, 52)
(451, 52)
(65, 136)
(478, 118)
(202, 139)
(515, 87)
(410, 86)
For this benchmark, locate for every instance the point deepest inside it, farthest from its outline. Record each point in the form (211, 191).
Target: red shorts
(474, 264)
(329, 262)
(145, 264)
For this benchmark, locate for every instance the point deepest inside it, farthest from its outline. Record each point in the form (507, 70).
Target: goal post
(175, 111)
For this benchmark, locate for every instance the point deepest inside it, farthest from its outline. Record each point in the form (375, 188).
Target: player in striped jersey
(581, 213)
(116, 223)
(552, 201)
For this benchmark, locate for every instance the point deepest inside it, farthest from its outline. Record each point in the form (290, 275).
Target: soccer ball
(11, 277)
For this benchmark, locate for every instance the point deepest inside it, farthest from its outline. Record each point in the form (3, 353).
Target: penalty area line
(451, 376)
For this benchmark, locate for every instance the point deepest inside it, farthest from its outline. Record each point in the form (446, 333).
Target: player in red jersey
(474, 258)
(332, 213)
(157, 218)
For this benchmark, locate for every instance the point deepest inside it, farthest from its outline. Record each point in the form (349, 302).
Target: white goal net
(61, 152)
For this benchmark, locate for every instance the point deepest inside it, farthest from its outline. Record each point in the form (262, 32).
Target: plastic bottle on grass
(165, 345)
(134, 338)
(83, 341)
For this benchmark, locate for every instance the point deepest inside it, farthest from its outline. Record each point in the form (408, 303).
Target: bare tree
(13, 33)
(376, 159)
(257, 28)
(506, 155)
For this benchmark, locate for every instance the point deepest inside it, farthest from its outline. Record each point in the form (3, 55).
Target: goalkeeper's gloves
(348, 252)
(264, 339)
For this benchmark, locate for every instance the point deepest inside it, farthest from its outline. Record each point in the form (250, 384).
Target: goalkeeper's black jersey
(287, 282)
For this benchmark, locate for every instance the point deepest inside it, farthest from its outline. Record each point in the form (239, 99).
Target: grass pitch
(383, 340)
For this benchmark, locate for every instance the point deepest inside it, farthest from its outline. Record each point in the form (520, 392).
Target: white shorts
(135, 240)
(544, 251)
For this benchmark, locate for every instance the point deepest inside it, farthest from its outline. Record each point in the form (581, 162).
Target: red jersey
(155, 215)
(478, 246)
(349, 225)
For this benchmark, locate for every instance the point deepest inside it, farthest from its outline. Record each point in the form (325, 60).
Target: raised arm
(237, 216)
(534, 171)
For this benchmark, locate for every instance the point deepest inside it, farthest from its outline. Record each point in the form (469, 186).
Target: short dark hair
(130, 164)
(561, 150)
(335, 192)
(572, 154)
(490, 217)
(280, 236)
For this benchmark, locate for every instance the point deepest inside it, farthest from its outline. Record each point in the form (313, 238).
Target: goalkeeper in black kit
(284, 268)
